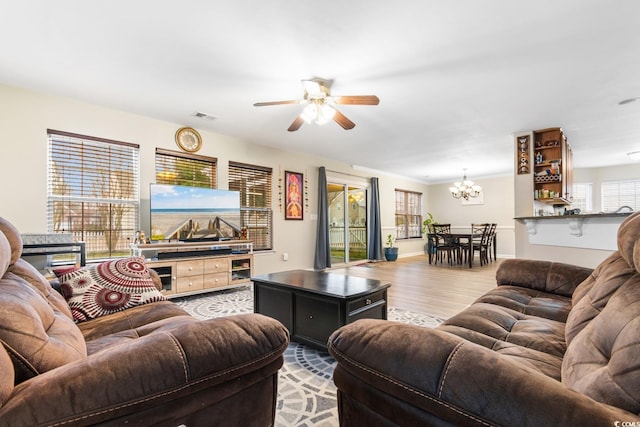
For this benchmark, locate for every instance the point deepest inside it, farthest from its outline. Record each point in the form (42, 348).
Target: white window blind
(254, 184)
(620, 193)
(93, 191)
(408, 214)
(582, 196)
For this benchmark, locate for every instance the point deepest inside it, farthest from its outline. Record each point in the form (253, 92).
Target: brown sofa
(551, 345)
(149, 365)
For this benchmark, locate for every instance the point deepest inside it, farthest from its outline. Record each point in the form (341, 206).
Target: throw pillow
(108, 287)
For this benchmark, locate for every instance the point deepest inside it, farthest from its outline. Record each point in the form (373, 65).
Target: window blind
(173, 167)
(408, 214)
(93, 191)
(582, 196)
(615, 194)
(254, 184)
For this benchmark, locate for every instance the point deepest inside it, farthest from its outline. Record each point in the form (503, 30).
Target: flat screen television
(193, 213)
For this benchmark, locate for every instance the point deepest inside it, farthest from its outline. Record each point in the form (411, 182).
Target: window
(192, 170)
(408, 214)
(582, 197)
(254, 185)
(93, 191)
(620, 193)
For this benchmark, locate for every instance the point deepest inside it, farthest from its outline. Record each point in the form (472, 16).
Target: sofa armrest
(414, 375)
(224, 354)
(553, 277)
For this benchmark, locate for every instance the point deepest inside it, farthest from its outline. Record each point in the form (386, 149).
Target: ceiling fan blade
(296, 124)
(357, 100)
(264, 104)
(343, 121)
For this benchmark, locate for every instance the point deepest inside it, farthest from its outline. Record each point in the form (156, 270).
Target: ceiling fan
(320, 107)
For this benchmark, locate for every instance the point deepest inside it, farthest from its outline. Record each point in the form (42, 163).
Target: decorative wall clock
(188, 139)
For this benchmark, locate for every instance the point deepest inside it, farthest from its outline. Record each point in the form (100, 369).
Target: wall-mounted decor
(523, 155)
(293, 182)
(478, 200)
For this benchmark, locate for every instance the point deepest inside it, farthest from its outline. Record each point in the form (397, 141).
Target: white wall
(25, 117)
(498, 207)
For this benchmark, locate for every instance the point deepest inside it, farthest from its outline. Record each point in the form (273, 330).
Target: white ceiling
(456, 79)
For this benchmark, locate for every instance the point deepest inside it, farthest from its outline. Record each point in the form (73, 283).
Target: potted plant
(426, 229)
(390, 253)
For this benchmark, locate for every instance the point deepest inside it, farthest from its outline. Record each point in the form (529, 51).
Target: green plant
(390, 241)
(426, 224)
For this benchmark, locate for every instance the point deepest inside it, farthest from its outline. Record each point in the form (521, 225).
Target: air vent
(204, 115)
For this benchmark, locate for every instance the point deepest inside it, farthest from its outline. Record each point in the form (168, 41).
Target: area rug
(306, 393)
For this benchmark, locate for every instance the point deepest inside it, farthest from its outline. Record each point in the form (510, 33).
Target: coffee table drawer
(371, 299)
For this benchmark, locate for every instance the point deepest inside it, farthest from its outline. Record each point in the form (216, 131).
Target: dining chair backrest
(492, 229)
(478, 231)
(486, 235)
(441, 228)
(478, 228)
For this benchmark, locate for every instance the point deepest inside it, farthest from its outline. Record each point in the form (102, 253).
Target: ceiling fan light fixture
(318, 113)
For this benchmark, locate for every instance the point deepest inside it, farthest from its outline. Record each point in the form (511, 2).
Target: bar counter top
(596, 215)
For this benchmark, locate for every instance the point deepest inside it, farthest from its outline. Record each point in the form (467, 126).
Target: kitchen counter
(597, 215)
(588, 231)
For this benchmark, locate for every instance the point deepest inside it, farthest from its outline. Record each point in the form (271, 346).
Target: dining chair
(482, 246)
(442, 242)
(480, 233)
(492, 241)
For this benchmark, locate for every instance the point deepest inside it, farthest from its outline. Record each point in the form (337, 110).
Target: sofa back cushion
(37, 331)
(603, 327)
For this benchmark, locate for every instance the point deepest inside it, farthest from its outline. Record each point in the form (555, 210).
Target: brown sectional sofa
(551, 345)
(149, 365)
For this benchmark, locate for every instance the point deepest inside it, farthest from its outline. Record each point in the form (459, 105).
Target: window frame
(96, 181)
(263, 214)
(404, 218)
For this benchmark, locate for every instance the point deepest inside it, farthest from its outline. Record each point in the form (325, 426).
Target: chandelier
(465, 189)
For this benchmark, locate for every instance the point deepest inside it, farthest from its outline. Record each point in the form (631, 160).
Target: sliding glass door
(347, 222)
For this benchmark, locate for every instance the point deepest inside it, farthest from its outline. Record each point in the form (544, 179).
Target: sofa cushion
(602, 359)
(603, 328)
(129, 319)
(592, 295)
(6, 376)
(36, 331)
(519, 324)
(108, 287)
(37, 336)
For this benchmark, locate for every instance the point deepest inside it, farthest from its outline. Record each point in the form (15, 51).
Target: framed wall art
(293, 182)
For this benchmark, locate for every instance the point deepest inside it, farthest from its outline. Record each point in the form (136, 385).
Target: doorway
(347, 222)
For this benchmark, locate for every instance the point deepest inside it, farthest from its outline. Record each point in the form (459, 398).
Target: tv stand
(187, 268)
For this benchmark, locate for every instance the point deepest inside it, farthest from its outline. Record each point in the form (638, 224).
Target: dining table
(465, 237)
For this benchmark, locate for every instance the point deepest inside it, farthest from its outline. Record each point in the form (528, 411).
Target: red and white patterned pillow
(108, 287)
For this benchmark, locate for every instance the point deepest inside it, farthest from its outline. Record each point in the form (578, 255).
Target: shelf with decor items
(553, 167)
(198, 267)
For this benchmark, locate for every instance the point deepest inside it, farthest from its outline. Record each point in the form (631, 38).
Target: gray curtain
(323, 251)
(375, 227)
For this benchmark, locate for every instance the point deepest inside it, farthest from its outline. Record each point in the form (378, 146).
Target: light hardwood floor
(439, 290)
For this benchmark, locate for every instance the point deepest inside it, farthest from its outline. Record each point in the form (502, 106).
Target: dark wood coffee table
(313, 304)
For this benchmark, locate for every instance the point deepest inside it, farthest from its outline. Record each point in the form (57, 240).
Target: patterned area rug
(306, 393)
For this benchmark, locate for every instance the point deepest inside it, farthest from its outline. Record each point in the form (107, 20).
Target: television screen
(194, 213)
